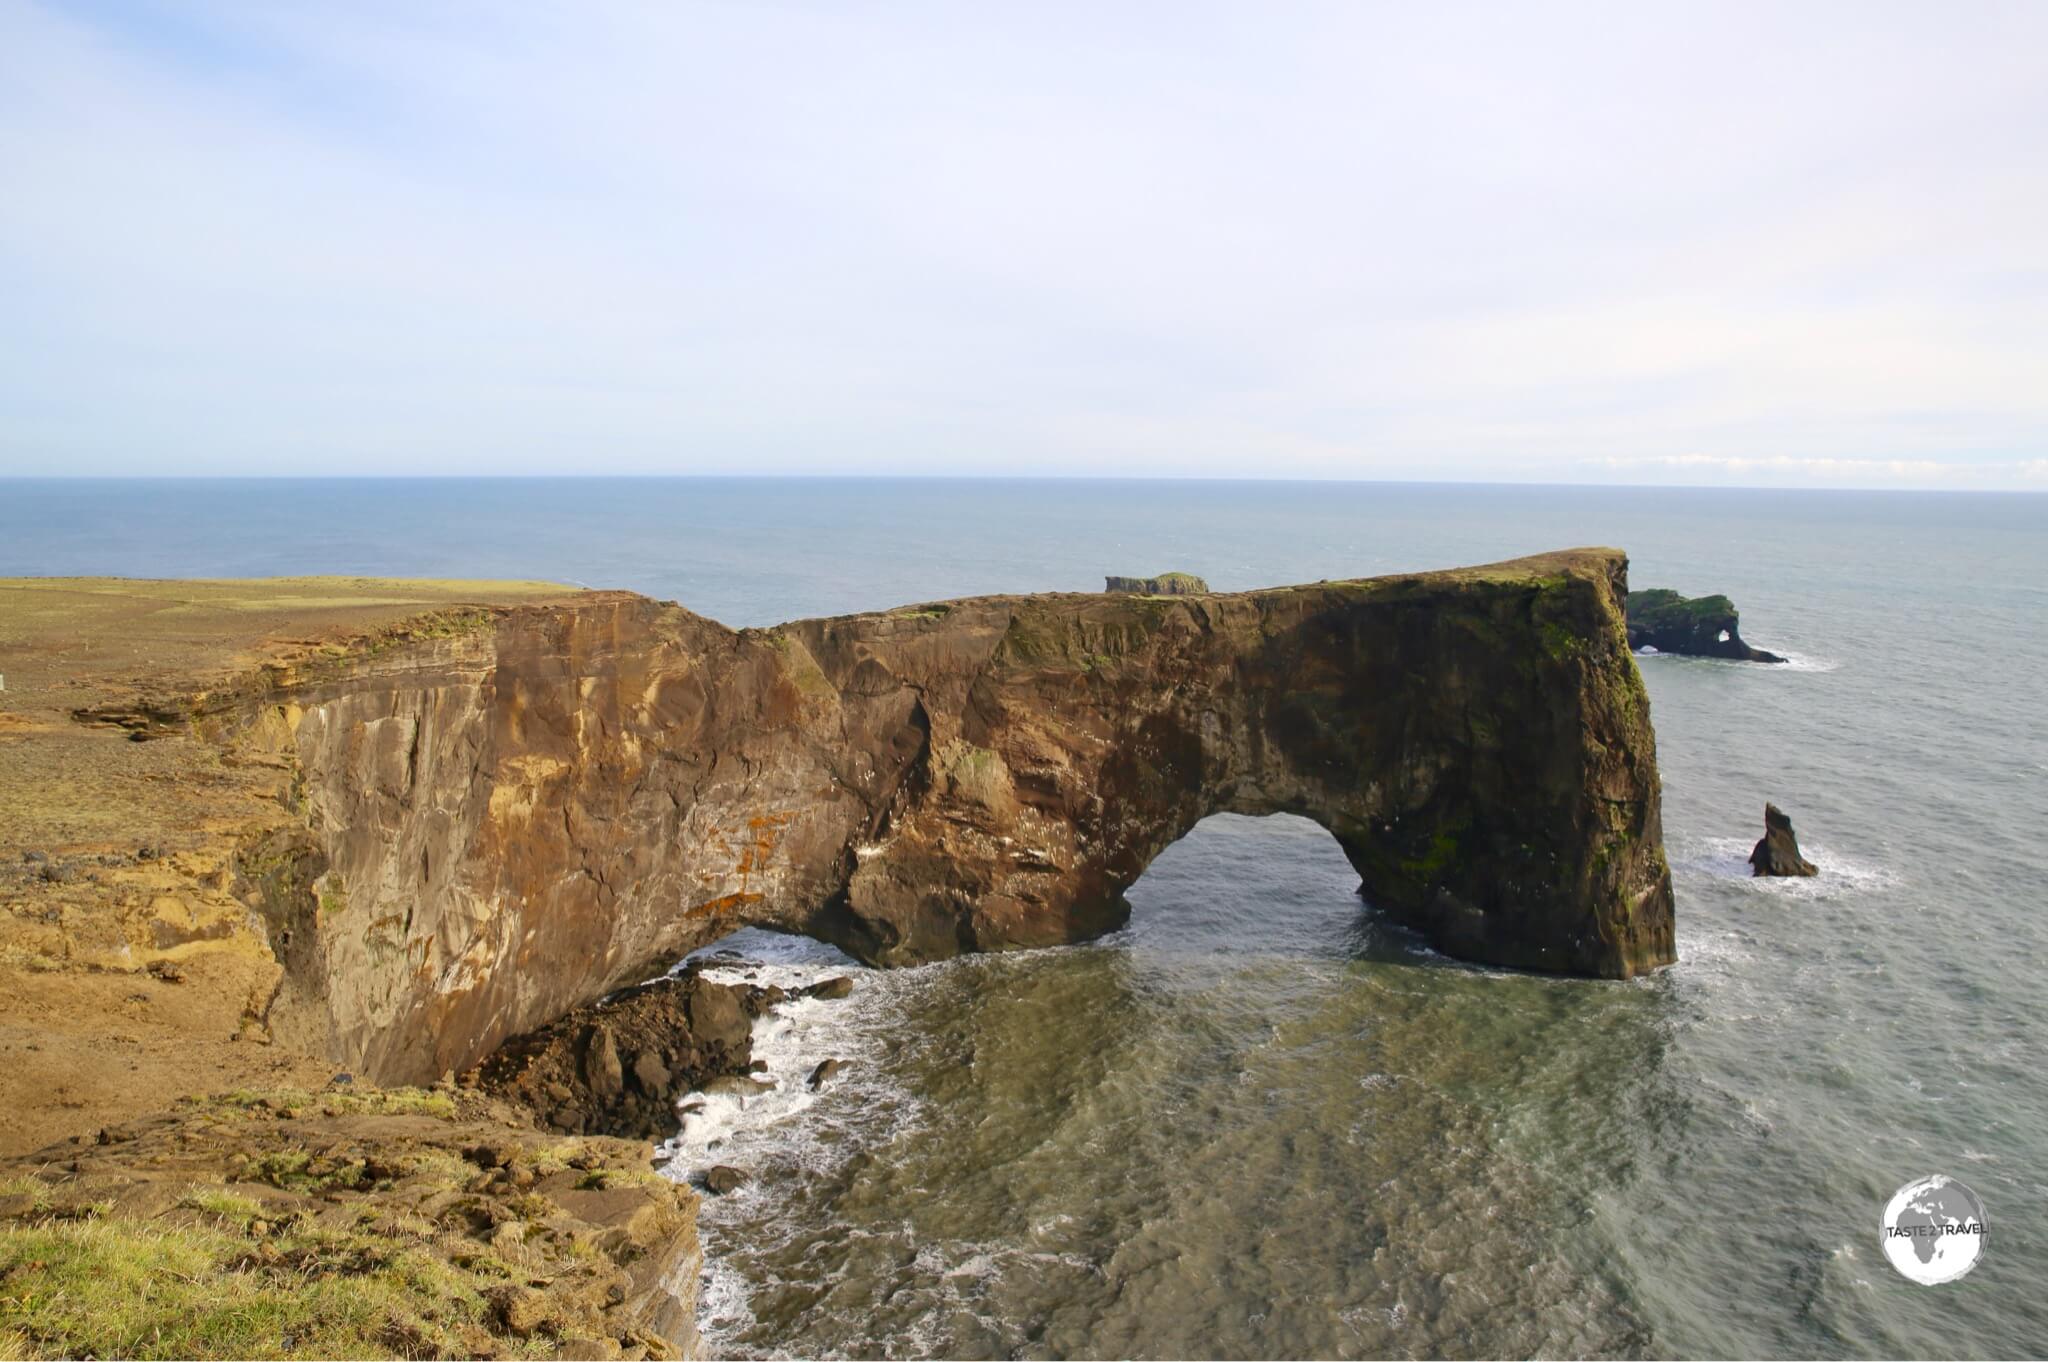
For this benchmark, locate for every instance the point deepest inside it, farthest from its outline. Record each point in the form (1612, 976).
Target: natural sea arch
(1275, 884)
(501, 822)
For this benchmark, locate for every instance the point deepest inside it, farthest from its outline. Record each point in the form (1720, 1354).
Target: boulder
(651, 1074)
(718, 1014)
(837, 987)
(825, 1072)
(601, 1069)
(722, 1178)
(1777, 853)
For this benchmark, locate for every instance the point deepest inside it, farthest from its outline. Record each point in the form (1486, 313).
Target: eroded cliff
(519, 809)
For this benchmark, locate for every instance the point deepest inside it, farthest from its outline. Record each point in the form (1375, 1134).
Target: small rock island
(1777, 853)
(1693, 626)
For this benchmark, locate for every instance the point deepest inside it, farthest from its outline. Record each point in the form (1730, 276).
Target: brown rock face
(1777, 851)
(505, 823)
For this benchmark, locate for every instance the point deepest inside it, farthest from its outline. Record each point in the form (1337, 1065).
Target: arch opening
(1276, 884)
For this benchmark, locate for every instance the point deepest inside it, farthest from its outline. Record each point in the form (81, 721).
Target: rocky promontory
(1693, 626)
(389, 827)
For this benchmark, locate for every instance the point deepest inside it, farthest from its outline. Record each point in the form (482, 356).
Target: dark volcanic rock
(1777, 853)
(722, 1178)
(569, 1073)
(1165, 584)
(511, 821)
(1702, 626)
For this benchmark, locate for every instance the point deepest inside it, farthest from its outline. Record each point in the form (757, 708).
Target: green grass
(339, 1102)
(38, 1193)
(224, 1205)
(110, 1288)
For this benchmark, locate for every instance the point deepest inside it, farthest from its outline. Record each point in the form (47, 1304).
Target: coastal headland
(261, 832)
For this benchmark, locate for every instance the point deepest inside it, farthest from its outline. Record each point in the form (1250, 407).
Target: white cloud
(1486, 241)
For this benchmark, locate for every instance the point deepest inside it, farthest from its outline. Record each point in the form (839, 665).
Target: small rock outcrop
(1693, 626)
(619, 1067)
(1777, 852)
(1165, 584)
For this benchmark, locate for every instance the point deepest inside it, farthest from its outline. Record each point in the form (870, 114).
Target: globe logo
(1933, 1230)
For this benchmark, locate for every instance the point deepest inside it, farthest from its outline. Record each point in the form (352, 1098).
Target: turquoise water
(1261, 1121)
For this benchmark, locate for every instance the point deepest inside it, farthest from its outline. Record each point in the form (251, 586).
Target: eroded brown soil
(129, 973)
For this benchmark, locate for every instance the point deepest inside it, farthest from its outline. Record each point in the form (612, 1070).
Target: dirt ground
(129, 973)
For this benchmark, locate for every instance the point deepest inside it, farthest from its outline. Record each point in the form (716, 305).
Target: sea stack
(1700, 626)
(1778, 851)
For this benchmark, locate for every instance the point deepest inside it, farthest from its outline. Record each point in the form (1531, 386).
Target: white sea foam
(1794, 662)
(1801, 662)
(788, 1129)
(1727, 858)
(791, 1039)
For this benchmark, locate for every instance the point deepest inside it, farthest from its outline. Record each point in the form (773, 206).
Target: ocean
(1263, 1121)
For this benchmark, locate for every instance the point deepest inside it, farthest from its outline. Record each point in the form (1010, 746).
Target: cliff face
(509, 817)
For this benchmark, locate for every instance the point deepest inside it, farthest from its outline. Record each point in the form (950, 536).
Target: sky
(1724, 243)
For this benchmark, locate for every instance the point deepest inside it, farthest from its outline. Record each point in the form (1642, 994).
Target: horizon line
(1909, 489)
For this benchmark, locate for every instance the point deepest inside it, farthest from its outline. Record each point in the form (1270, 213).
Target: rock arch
(504, 824)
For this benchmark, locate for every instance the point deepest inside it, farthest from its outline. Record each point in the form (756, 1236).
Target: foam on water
(1727, 858)
(1794, 661)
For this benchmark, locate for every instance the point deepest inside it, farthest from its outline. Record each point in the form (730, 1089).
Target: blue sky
(1725, 243)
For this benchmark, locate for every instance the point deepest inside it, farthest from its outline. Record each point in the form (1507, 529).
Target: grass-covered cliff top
(1662, 607)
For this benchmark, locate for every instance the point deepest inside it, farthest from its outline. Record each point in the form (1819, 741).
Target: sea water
(1261, 1119)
